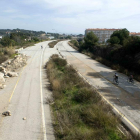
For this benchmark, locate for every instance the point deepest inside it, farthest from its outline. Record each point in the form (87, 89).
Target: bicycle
(115, 80)
(130, 80)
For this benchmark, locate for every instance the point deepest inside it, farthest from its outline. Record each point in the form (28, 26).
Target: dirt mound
(16, 63)
(8, 68)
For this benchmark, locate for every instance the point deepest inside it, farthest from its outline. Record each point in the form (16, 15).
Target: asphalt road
(26, 96)
(125, 97)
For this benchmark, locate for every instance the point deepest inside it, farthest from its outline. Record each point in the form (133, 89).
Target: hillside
(4, 32)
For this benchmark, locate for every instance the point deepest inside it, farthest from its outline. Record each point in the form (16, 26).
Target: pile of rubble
(6, 113)
(8, 68)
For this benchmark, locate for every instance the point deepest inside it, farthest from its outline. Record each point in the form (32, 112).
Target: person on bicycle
(130, 78)
(116, 77)
(41, 47)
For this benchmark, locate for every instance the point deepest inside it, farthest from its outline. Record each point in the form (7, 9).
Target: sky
(69, 16)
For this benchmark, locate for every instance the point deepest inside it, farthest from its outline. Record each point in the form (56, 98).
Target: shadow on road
(124, 94)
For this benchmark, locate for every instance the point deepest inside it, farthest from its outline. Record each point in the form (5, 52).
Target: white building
(134, 34)
(102, 34)
(0, 37)
(51, 37)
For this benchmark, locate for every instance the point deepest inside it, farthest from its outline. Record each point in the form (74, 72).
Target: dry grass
(6, 53)
(3, 58)
(52, 44)
(56, 84)
(79, 113)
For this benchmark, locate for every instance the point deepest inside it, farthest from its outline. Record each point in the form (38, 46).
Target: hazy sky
(69, 16)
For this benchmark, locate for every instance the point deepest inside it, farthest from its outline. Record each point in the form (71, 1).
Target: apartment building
(102, 34)
(134, 34)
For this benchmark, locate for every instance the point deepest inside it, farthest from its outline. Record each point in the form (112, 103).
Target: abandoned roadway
(124, 98)
(25, 97)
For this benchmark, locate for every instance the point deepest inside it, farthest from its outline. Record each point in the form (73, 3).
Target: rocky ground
(9, 68)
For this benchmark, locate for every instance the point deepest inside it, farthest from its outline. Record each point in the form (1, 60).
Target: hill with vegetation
(4, 32)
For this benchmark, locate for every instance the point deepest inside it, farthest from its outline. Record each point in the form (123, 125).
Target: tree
(121, 34)
(114, 40)
(6, 41)
(68, 37)
(90, 40)
(36, 39)
(132, 47)
(80, 35)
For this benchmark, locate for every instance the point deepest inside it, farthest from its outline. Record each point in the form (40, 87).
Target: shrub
(3, 58)
(60, 62)
(9, 51)
(86, 95)
(52, 44)
(75, 43)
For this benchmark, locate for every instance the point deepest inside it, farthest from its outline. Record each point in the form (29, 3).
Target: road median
(78, 110)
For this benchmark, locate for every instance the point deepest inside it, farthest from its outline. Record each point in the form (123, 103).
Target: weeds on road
(78, 110)
(52, 44)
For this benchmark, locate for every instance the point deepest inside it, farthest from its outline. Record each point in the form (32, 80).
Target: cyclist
(116, 77)
(131, 78)
(41, 47)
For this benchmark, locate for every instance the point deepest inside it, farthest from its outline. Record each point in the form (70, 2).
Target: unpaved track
(125, 97)
(28, 100)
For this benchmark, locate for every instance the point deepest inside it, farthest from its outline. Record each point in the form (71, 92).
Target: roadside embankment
(73, 45)
(79, 112)
(8, 68)
(6, 53)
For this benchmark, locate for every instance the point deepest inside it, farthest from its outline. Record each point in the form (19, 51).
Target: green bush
(53, 43)
(60, 62)
(36, 39)
(75, 43)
